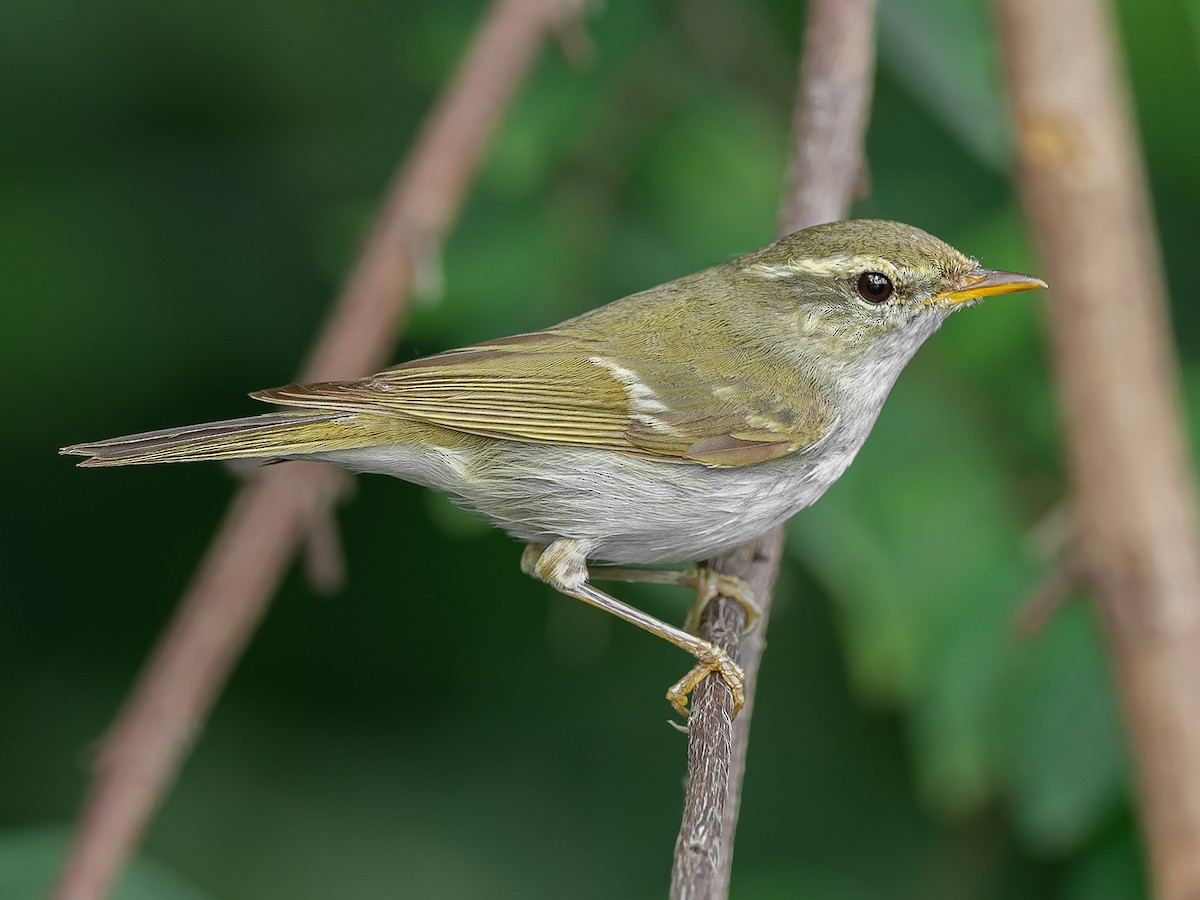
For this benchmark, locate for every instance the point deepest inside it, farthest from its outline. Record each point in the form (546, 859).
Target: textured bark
(1134, 495)
(829, 123)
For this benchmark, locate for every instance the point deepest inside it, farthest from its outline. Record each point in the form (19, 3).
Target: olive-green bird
(665, 427)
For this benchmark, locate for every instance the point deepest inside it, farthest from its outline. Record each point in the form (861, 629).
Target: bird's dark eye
(875, 287)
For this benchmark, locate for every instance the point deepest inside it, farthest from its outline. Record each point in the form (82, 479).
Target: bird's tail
(276, 435)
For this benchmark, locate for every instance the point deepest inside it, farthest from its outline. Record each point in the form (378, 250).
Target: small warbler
(665, 427)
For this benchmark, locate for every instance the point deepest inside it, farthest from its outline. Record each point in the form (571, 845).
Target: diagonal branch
(269, 517)
(1134, 492)
(829, 123)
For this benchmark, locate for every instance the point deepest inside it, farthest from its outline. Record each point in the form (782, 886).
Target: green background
(182, 187)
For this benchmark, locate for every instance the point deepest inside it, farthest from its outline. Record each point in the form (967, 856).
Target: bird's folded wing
(548, 387)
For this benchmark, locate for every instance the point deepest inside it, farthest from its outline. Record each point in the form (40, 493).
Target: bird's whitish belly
(625, 509)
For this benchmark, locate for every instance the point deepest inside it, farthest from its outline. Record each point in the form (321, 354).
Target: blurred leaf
(956, 718)
(1063, 733)
(30, 861)
(718, 159)
(1110, 870)
(927, 580)
(536, 134)
(1192, 9)
(1191, 384)
(788, 885)
(905, 555)
(1160, 55)
(944, 51)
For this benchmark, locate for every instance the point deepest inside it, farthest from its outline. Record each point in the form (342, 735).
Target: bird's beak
(980, 282)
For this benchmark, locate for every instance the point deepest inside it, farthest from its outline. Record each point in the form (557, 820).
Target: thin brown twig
(1060, 581)
(1134, 493)
(829, 124)
(270, 515)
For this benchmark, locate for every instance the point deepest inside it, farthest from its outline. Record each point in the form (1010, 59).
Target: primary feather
(274, 435)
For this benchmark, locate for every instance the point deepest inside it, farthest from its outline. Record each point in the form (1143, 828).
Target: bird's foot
(709, 586)
(710, 659)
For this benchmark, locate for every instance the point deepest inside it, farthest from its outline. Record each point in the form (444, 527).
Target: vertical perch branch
(829, 122)
(1138, 537)
(268, 519)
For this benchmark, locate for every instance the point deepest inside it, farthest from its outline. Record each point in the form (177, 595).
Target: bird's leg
(563, 565)
(709, 585)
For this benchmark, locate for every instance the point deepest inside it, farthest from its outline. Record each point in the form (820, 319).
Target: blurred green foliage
(181, 188)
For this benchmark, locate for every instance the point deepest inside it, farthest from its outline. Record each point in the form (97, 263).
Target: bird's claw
(709, 586)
